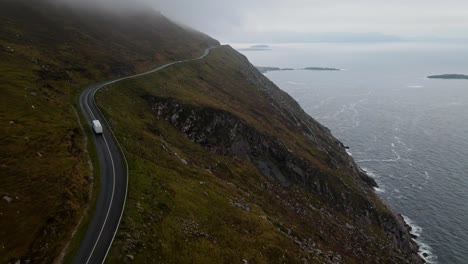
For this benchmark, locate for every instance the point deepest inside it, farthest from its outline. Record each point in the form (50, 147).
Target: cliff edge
(265, 182)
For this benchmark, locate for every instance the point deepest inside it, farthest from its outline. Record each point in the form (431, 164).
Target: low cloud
(254, 20)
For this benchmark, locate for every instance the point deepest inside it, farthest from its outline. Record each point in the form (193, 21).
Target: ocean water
(410, 133)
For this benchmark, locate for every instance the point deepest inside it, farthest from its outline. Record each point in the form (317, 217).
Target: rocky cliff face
(226, 134)
(225, 162)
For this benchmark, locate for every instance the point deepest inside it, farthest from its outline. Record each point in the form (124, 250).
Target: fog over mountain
(311, 20)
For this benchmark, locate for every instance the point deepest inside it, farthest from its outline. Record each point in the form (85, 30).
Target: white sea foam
(415, 229)
(415, 86)
(349, 152)
(425, 251)
(397, 158)
(427, 175)
(379, 190)
(379, 160)
(400, 142)
(426, 179)
(320, 104)
(370, 173)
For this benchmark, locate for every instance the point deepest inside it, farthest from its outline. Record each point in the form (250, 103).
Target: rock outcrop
(226, 134)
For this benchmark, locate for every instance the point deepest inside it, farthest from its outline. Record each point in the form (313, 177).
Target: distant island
(263, 69)
(321, 69)
(449, 76)
(269, 69)
(256, 47)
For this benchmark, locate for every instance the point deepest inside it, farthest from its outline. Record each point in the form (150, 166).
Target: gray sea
(407, 131)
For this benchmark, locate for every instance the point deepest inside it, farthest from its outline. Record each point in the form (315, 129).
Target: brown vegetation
(48, 54)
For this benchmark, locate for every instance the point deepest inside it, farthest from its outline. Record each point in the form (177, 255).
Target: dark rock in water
(413, 236)
(425, 255)
(405, 238)
(367, 179)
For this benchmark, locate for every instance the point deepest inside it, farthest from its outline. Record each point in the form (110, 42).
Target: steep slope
(227, 168)
(48, 54)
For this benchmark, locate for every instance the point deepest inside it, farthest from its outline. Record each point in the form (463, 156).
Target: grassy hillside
(227, 168)
(48, 54)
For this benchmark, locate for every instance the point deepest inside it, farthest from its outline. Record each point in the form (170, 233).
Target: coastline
(397, 227)
(424, 250)
(415, 231)
(397, 151)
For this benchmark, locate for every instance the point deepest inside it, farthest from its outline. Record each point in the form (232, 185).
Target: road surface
(113, 178)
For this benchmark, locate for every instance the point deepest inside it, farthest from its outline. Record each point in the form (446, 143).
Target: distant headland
(269, 69)
(451, 76)
(263, 69)
(256, 48)
(321, 69)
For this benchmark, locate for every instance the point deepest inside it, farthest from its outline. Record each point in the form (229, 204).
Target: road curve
(113, 177)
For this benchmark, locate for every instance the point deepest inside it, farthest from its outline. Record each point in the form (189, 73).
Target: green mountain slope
(227, 168)
(48, 54)
(224, 166)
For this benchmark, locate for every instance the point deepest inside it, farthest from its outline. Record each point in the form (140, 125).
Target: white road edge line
(112, 195)
(126, 165)
(87, 106)
(110, 206)
(120, 147)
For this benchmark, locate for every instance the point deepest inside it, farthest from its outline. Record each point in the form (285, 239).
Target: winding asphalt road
(113, 177)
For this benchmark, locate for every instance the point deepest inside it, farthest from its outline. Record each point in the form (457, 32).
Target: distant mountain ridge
(339, 37)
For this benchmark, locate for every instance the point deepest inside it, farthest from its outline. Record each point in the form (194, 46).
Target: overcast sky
(279, 20)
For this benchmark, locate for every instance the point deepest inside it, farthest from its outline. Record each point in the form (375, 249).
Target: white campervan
(97, 127)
